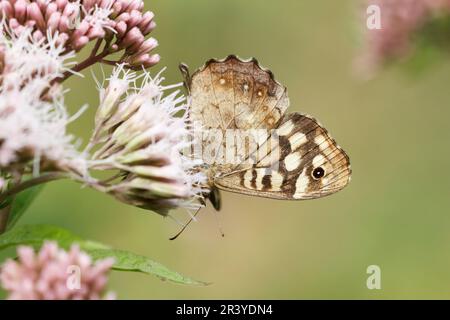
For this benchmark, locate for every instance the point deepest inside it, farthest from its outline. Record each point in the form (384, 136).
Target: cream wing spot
(248, 176)
(297, 140)
(260, 173)
(318, 161)
(286, 128)
(301, 185)
(323, 143)
(276, 181)
(319, 140)
(292, 161)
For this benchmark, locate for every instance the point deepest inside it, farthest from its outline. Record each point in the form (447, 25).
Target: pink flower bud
(6, 9)
(71, 10)
(26, 255)
(80, 42)
(89, 4)
(44, 276)
(61, 4)
(34, 12)
(53, 21)
(152, 60)
(135, 19)
(124, 4)
(142, 53)
(145, 60)
(121, 28)
(146, 18)
(140, 59)
(132, 37)
(64, 24)
(105, 3)
(146, 30)
(123, 23)
(148, 45)
(136, 45)
(123, 17)
(62, 38)
(117, 7)
(30, 24)
(20, 10)
(134, 5)
(96, 32)
(14, 24)
(42, 4)
(81, 29)
(51, 8)
(38, 35)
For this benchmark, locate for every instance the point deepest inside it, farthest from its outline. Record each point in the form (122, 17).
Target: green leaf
(128, 261)
(35, 235)
(21, 203)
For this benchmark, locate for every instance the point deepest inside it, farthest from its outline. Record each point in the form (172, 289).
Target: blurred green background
(394, 213)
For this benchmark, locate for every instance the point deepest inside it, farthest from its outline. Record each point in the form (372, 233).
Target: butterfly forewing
(236, 94)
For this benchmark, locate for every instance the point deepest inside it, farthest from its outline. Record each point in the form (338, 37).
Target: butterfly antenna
(185, 226)
(219, 224)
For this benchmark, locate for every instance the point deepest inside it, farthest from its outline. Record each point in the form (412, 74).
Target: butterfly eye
(318, 173)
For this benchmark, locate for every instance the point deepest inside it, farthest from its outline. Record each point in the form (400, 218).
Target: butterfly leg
(215, 198)
(186, 76)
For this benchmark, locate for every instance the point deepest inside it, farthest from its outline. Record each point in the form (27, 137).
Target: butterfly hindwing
(304, 146)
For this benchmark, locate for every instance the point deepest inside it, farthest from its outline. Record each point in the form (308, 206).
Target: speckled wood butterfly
(240, 95)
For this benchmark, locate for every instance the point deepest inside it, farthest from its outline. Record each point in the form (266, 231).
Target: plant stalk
(4, 216)
(31, 183)
(5, 212)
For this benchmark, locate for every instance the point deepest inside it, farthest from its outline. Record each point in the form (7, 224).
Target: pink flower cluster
(123, 24)
(54, 274)
(399, 20)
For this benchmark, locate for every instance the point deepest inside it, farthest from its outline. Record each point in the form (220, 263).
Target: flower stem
(96, 47)
(5, 211)
(4, 216)
(52, 176)
(31, 183)
(84, 64)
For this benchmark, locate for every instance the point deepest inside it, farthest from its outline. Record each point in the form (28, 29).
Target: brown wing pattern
(304, 146)
(236, 94)
(241, 95)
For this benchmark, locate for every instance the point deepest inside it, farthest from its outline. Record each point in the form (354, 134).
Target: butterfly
(303, 162)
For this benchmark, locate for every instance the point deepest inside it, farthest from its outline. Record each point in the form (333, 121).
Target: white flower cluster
(140, 131)
(144, 139)
(33, 118)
